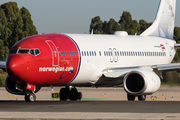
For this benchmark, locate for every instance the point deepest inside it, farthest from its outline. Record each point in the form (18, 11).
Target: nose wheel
(72, 94)
(30, 97)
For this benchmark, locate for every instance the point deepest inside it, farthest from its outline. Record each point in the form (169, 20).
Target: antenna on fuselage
(92, 32)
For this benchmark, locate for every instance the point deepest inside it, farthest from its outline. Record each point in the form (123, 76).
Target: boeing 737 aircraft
(87, 60)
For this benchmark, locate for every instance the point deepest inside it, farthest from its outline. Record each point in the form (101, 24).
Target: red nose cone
(15, 68)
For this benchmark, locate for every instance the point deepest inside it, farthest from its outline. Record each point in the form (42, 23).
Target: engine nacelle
(141, 82)
(10, 86)
(17, 89)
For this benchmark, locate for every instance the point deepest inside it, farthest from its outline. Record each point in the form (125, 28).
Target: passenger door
(54, 51)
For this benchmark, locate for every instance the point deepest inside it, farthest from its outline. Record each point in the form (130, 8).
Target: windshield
(33, 52)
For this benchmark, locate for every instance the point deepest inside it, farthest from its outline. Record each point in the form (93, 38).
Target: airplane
(93, 60)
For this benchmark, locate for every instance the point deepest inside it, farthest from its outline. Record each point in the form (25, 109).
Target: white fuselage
(114, 51)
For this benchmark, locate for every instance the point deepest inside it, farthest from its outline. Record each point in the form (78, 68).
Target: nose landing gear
(30, 91)
(30, 97)
(72, 94)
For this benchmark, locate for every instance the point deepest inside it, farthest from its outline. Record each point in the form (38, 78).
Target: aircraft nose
(15, 67)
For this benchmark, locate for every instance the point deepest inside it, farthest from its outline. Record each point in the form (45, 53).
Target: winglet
(163, 25)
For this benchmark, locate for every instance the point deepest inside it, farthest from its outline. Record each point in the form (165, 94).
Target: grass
(171, 84)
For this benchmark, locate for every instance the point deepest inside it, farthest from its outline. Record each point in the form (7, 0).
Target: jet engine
(11, 87)
(17, 89)
(141, 82)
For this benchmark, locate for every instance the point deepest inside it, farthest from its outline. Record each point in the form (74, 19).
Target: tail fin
(163, 25)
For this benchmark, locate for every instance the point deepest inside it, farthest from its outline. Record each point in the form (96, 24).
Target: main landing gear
(72, 94)
(132, 97)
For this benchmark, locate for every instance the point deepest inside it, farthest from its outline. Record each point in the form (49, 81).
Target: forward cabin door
(54, 51)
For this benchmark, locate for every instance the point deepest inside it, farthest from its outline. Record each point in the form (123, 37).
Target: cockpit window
(13, 51)
(23, 51)
(33, 52)
(37, 51)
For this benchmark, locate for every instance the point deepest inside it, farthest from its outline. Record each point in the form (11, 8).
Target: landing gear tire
(31, 97)
(79, 96)
(63, 95)
(142, 97)
(73, 94)
(131, 97)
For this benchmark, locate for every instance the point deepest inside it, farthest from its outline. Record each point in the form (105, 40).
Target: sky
(74, 16)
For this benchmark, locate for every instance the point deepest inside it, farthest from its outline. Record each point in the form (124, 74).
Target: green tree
(144, 25)
(177, 39)
(125, 21)
(105, 27)
(112, 26)
(3, 51)
(28, 27)
(96, 25)
(177, 33)
(134, 29)
(129, 25)
(15, 23)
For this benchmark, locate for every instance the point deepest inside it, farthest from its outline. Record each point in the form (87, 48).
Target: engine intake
(10, 86)
(141, 82)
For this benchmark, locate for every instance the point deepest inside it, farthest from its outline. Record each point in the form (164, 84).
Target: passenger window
(87, 53)
(107, 53)
(99, 53)
(69, 53)
(64, 53)
(72, 53)
(94, 53)
(90, 53)
(117, 53)
(82, 53)
(61, 53)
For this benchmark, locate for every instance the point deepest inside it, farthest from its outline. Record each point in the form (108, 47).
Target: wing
(3, 65)
(158, 69)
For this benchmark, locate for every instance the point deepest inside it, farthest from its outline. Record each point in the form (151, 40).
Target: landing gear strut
(72, 94)
(132, 97)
